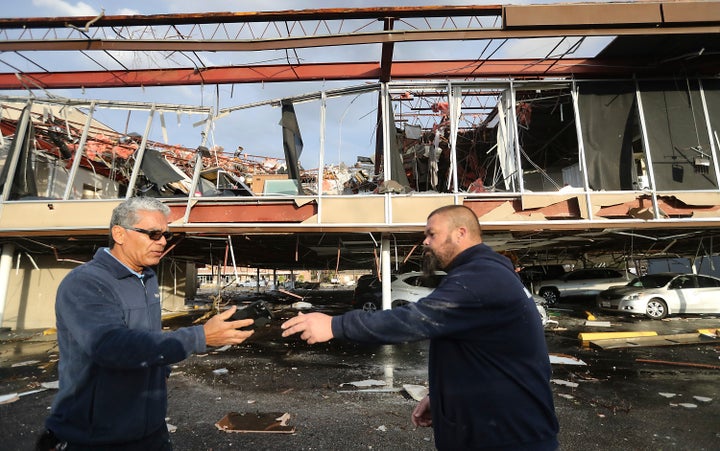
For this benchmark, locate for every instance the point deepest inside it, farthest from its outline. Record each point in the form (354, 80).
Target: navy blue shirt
(114, 355)
(489, 370)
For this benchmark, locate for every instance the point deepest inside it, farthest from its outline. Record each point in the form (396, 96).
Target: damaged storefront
(523, 154)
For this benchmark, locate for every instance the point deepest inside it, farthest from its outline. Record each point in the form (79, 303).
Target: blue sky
(257, 131)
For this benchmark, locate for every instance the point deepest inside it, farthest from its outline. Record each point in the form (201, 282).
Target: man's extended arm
(315, 327)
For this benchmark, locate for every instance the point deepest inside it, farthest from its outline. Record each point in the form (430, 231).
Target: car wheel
(551, 295)
(369, 306)
(656, 309)
(399, 303)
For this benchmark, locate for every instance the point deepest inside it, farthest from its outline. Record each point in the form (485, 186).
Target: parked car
(581, 282)
(410, 287)
(404, 288)
(534, 274)
(659, 295)
(367, 294)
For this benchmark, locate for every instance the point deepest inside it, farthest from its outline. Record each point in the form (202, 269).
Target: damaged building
(605, 159)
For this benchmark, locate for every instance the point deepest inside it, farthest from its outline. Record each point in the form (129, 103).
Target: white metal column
(385, 271)
(5, 267)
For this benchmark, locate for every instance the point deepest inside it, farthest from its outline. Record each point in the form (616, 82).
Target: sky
(349, 121)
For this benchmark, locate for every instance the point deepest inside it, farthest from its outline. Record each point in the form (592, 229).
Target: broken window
(611, 136)
(547, 137)
(677, 135)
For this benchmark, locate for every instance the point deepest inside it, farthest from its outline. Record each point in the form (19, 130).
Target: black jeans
(157, 441)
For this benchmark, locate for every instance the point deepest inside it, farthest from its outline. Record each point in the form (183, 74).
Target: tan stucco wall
(30, 302)
(178, 281)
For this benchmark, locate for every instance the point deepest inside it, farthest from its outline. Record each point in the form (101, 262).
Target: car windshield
(651, 281)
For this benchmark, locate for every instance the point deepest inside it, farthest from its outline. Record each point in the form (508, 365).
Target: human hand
(421, 415)
(315, 327)
(220, 332)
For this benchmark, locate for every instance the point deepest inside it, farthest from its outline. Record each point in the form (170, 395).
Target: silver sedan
(659, 295)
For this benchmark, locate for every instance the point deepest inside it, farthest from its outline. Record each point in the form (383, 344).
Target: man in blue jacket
(114, 356)
(489, 370)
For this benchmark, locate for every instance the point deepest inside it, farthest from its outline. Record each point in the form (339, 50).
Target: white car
(659, 295)
(581, 282)
(412, 286)
(404, 288)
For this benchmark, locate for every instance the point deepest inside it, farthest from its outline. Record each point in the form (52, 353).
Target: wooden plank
(587, 337)
(687, 364)
(660, 340)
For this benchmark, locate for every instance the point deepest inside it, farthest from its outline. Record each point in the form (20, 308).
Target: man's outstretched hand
(315, 327)
(220, 332)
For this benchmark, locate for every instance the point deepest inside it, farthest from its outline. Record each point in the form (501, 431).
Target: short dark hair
(460, 216)
(126, 214)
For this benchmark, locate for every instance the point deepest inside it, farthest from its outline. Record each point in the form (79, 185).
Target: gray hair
(126, 214)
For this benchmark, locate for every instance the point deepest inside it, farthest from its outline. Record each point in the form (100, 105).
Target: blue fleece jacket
(488, 366)
(114, 355)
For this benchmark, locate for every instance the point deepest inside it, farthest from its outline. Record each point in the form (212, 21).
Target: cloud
(63, 8)
(128, 12)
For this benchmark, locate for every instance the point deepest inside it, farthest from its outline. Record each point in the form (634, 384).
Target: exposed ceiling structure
(653, 36)
(377, 45)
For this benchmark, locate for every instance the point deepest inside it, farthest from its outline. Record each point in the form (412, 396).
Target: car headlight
(632, 297)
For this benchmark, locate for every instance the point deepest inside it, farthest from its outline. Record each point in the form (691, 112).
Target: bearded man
(488, 369)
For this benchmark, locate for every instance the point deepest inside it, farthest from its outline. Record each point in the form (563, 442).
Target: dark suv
(533, 274)
(368, 293)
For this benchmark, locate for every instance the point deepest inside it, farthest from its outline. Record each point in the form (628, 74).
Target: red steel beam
(322, 71)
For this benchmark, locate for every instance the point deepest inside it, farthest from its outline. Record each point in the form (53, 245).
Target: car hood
(621, 290)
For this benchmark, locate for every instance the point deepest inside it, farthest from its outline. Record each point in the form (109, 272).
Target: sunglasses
(154, 235)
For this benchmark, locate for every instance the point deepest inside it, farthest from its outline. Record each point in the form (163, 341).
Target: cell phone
(257, 311)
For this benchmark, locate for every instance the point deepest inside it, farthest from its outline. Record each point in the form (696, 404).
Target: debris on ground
(565, 359)
(565, 383)
(272, 422)
(657, 340)
(365, 383)
(9, 398)
(598, 323)
(586, 337)
(687, 364)
(416, 392)
(26, 363)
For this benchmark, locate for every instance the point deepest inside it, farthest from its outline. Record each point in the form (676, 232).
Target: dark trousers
(157, 441)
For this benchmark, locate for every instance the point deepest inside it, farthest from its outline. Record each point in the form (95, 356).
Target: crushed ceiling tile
(698, 199)
(608, 200)
(504, 211)
(531, 201)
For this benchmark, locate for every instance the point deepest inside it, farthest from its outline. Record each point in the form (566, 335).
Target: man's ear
(118, 234)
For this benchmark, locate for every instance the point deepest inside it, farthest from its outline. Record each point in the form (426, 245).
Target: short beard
(430, 263)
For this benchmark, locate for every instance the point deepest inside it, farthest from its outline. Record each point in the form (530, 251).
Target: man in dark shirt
(488, 366)
(114, 356)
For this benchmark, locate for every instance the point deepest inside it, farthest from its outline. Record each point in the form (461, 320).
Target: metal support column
(385, 271)
(648, 156)
(8, 250)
